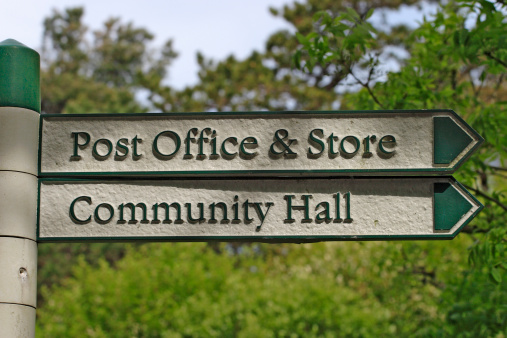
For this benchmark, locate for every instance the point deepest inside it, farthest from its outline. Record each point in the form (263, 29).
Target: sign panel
(259, 143)
(272, 210)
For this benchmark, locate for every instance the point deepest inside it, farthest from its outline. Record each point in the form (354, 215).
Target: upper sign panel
(259, 143)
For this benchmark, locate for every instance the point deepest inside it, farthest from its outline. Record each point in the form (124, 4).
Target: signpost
(19, 122)
(270, 210)
(260, 143)
(251, 176)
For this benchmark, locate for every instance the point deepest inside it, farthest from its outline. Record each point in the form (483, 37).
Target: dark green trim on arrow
(264, 113)
(449, 206)
(449, 140)
(19, 76)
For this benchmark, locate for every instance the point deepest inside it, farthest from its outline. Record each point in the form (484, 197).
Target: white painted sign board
(276, 210)
(255, 143)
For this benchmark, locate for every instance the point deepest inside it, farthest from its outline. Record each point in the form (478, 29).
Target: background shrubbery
(338, 57)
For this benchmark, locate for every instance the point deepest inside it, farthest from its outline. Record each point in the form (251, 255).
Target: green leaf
(495, 274)
(302, 39)
(297, 59)
(369, 14)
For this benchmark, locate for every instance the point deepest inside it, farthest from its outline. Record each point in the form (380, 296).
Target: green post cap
(19, 76)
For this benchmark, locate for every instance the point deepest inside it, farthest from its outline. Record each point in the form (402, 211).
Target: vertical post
(19, 121)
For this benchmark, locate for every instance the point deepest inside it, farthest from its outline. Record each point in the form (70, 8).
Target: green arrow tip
(450, 140)
(449, 206)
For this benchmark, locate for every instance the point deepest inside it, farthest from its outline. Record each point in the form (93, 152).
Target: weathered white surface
(378, 207)
(17, 321)
(413, 150)
(18, 204)
(18, 271)
(19, 136)
(19, 139)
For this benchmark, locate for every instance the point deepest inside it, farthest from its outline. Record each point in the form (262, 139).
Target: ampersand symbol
(280, 136)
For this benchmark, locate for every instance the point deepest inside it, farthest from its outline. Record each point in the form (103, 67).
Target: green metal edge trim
(167, 174)
(274, 239)
(260, 113)
(250, 178)
(430, 112)
(268, 239)
(19, 76)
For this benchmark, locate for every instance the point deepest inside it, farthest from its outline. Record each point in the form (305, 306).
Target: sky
(217, 28)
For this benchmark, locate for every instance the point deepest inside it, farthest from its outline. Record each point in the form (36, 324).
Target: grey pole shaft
(19, 121)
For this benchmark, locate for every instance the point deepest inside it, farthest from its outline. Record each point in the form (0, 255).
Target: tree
(323, 289)
(267, 80)
(104, 75)
(453, 63)
(79, 76)
(335, 289)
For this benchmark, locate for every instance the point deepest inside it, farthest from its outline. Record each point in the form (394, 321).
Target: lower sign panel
(264, 210)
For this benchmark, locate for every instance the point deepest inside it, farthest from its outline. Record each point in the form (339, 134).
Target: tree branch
(491, 56)
(473, 85)
(471, 229)
(367, 86)
(497, 168)
(486, 196)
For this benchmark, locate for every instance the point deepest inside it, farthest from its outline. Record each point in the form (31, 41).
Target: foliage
(79, 76)
(323, 289)
(267, 80)
(56, 260)
(456, 59)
